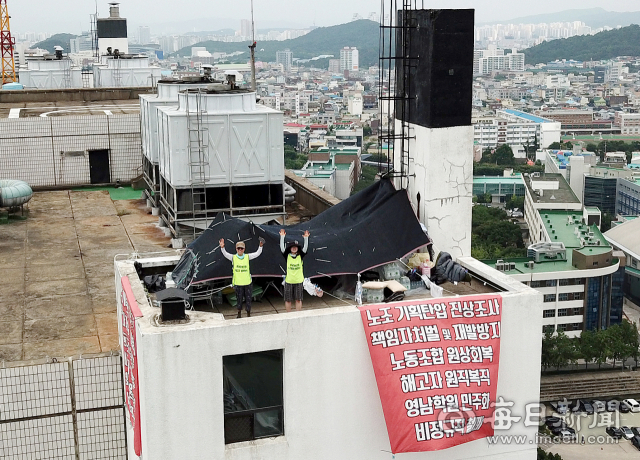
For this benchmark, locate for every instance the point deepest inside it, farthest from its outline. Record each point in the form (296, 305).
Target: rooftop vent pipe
(14, 193)
(114, 10)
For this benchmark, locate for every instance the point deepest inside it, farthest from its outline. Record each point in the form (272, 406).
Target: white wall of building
(53, 151)
(549, 133)
(344, 182)
(442, 161)
(244, 142)
(331, 402)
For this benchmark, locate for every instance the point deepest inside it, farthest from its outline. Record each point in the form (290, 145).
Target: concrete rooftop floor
(57, 295)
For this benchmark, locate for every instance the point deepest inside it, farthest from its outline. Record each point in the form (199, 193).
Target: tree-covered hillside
(604, 45)
(363, 34)
(593, 17)
(56, 40)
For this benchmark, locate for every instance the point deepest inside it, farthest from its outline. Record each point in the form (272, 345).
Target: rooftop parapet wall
(309, 195)
(73, 94)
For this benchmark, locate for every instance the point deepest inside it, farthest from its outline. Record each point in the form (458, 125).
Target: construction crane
(6, 42)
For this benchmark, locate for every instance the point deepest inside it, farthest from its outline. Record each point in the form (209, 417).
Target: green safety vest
(241, 273)
(294, 270)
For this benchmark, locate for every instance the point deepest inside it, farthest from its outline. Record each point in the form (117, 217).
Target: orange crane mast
(7, 42)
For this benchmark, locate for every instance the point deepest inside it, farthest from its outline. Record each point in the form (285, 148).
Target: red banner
(436, 364)
(130, 312)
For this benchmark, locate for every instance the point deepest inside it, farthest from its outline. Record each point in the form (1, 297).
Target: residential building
(629, 123)
(501, 188)
(349, 58)
(285, 59)
(628, 196)
(600, 187)
(336, 170)
(575, 269)
(334, 65)
(514, 128)
(548, 131)
(320, 351)
(245, 28)
(494, 59)
(545, 191)
(355, 103)
(144, 35)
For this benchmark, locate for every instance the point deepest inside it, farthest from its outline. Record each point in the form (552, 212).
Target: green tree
(629, 334)
(555, 146)
(504, 155)
(588, 347)
(565, 350)
(615, 343)
(515, 202)
(366, 130)
(549, 350)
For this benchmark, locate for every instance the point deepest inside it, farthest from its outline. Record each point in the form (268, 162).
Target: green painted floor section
(120, 193)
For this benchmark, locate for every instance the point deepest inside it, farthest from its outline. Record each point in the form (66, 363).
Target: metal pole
(252, 47)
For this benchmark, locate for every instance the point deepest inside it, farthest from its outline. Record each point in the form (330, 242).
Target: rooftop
(557, 225)
(498, 179)
(57, 294)
(527, 116)
(563, 194)
(68, 108)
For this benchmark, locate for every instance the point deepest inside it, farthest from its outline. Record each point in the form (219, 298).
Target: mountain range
(593, 17)
(604, 45)
(363, 34)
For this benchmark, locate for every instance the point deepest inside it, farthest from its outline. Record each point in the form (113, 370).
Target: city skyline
(31, 16)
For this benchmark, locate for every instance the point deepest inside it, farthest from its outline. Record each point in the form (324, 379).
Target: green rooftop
(561, 231)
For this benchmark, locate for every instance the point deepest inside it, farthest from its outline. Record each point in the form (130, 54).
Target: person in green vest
(241, 273)
(293, 289)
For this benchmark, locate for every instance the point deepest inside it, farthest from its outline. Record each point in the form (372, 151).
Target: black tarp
(373, 227)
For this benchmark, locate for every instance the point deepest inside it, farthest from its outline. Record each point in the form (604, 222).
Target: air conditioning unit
(512, 265)
(530, 264)
(500, 267)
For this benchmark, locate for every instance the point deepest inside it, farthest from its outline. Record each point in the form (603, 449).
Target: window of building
(564, 282)
(562, 327)
(535, 284)
(577, 326)
(550, 298)
(563, 312)
(548, 328)
(550, 283)
(595, 263)
(577, 296)
(549, 313)
(253, 399)
(562, 297)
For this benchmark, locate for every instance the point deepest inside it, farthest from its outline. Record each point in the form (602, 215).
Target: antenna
(252, 47)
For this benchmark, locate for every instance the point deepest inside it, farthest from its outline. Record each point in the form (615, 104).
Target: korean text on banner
(436, 365)
(130, 312)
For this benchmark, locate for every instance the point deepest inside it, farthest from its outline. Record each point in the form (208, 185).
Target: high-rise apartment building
(144, 35)
(285, 58)
(245, 28)
(491, 59)
(349, 58)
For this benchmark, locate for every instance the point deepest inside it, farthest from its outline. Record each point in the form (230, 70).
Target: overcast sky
(73, 15)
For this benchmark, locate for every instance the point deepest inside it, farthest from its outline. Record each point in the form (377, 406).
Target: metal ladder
(66, 73)
(117, 77)
(198, 159)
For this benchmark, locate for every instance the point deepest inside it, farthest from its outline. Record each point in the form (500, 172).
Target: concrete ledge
(72, 94)
(309, 195)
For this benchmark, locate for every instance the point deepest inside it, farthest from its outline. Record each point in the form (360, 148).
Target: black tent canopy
(374, 227)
